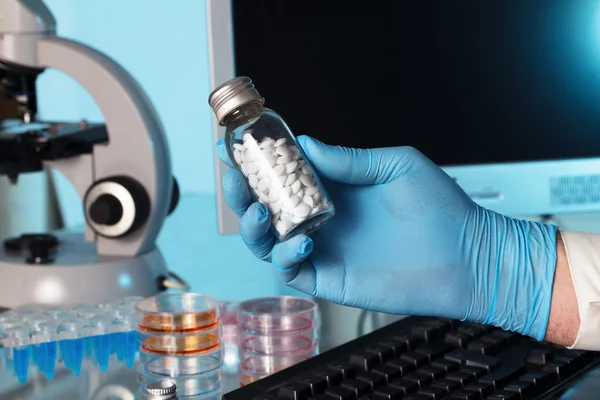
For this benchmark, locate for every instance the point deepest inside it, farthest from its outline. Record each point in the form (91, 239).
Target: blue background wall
(164, 46)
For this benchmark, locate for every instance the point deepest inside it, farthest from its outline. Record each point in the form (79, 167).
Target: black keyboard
(428, 359)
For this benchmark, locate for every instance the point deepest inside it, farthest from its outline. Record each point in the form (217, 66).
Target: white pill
(302, 210)
(237, 155)
(305, 170)
(287, 217)
(296, 186)
(251, 168)
(263, 198)
(274, 196)
(311, 190)
(308, 200)
(268, 142)
(279, 170)
(300, 193)
(283, 160)
(239, 147)
(286, 192)
(291, 167)
(253, 180)
(282, 226)
(271, 160)
(280, 142)
(275, 208)
(294, 154)
(317, 197)
(276, 217)
(251, 155)
(291, 203)
(307, 180)
(244, 169)
(282, 179)
(291, 178)
(314, 211)
(298, 220)
(264, 184)
(284, 151)
(263, 173)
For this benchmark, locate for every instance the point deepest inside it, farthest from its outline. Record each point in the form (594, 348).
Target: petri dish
(174, 365)
(278, 344)
(256, 367)
(178, 313)
(278, 315)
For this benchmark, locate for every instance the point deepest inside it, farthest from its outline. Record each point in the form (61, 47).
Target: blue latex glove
(406, 239)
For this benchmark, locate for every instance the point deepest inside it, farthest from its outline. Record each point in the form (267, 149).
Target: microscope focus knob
(106, 210)
(116, 206)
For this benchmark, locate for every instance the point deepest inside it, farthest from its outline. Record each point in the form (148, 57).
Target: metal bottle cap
(161, 391)
(231, 95)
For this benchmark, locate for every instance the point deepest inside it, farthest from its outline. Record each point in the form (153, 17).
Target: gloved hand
(406, 239)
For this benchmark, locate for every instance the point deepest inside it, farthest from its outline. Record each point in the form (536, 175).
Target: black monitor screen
(464, 81)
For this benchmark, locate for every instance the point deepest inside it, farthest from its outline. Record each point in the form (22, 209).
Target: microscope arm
(137, 142)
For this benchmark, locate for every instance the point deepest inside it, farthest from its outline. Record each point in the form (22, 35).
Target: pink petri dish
(278, 315)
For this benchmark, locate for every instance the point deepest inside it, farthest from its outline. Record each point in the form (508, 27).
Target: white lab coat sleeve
(583, 255)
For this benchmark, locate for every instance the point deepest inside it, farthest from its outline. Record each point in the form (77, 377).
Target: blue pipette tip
(21, 363)
(131, 348)
(102, 351)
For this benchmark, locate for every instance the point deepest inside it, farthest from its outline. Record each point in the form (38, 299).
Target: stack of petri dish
(275, 333)
(180, 342)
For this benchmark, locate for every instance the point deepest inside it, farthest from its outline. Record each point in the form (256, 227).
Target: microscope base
(77, 275)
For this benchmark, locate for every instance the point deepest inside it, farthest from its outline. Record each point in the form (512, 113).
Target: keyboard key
(418, 397)
(504, 395)
(475, 371)
(503, 374)
(478, 346)
(442, 323)
(461, 377)
(320, 397)
(332, 377)
(541, 379)
(340, 393)
(559, 368)
(434, 372)
(388, 393)
(458, 339)
(357, 386)
(482, 388)
(348, 371)
(446, 365)
(421, 379)
(539, 356)
(387, 372)
(427, 333)
(434, 350)
(373, 379)
(417, 359)
(434, 393)
(383, 352)
(472, 359)
(411, 342)
(465, 395)
(472, 330)
(448, 385)
(404, 385)
(317, 384)
(509, 337)
(364, 360)
(295, 391)
(405, 367)
(525, 389)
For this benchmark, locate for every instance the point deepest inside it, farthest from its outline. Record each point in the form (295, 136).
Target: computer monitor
(504, 95)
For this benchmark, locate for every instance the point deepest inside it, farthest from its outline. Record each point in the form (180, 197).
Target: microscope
(121, 170)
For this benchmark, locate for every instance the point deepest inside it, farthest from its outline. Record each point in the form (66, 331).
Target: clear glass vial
(263, 148)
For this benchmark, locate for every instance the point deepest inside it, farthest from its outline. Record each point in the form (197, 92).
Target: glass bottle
(277, 171)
